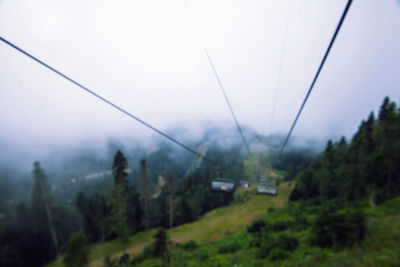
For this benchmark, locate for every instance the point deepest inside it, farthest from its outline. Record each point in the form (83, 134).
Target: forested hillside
(367, 166)
(340, 203)
(343, 211)
(163, 188)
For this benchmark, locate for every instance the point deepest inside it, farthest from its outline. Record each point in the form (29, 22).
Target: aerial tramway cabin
(222, 185)
(244, 183)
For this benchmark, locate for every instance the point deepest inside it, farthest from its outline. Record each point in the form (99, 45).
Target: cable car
(222, 185)
(244, 183)
(264, 188)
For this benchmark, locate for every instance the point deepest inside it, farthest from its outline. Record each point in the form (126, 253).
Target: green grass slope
(212, 226)
(381, 246)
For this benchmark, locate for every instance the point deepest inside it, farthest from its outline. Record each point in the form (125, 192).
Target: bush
(277, 254)
(339, 227)
(283, 242)
(256, 226)
(242, 198)
(229, 248)
(267, 244)
(281, 225)
(76, 251)
(256, 242)
(300, 223)
(190, 245)
(148, 253)
(287, 242)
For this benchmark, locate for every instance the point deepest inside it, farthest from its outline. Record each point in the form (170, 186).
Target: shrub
(148, 253)
(256, 226)
(287, 242)
(267, 244)
(277, 254)
(242, 198)
(76, 251)
(281, 225)
(256, 242)
(283, 242)
(229, 247)
(190, 245)
(300, 223)
(339, 227)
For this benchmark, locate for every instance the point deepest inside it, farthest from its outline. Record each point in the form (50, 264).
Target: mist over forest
(90, 164)
(78, 192)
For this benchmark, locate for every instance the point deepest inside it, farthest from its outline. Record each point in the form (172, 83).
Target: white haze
(147, 57)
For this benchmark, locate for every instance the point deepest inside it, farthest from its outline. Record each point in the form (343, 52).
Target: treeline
(166, 204)
(292, 161)
(366, 166)
(36, 233)
(350, 175)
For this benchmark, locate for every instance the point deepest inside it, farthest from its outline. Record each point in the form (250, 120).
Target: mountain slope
(210, 227)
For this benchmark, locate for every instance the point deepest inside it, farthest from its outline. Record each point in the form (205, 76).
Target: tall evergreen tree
(161, 246)
(42, 213)
(119, 198)
(170, 188)
(145, 193)
(119, 169)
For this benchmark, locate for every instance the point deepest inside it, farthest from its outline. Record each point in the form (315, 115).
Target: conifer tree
(42, 212)
(144, 193)
(118, 200)
(170, 188)
(161, 246)
(119, 169)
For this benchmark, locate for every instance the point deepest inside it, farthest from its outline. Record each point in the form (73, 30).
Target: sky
(148, 57)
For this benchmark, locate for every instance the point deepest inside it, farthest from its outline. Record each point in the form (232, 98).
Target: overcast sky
(147, 56)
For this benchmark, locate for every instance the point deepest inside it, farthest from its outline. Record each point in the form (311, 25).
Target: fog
(148, 57)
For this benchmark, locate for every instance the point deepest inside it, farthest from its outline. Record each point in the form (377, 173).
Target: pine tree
(118, 201)
(144, 193)
(170, 188)
(119, 168)
(42, 212)
(385, 109)
(161, 246)
(388, 145)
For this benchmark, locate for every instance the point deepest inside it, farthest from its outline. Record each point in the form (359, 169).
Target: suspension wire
(110, 103)
(226, 99)
(317, 74)
(281, 63)
(210, 61)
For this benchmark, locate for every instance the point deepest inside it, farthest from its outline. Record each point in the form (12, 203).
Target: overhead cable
(109, 102)
(282, 59)
(317, 74)
(227, 99)
(222, 89)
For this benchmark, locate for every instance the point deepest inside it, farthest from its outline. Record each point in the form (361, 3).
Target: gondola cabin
(222, 185)
(264, 188)
(244, 183)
